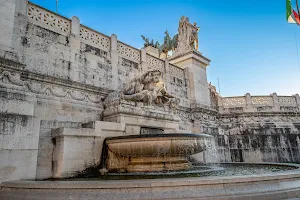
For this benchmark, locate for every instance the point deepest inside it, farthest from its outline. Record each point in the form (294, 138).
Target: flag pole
(298, 7)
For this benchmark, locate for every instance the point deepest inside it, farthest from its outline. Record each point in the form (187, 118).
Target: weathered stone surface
(46, 146)
(16, 102)
(19, 135)
(60, 71)
(260, 138)
(75, 149)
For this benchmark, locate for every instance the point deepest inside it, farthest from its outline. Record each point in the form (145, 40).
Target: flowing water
(203, 170)
(151, 149)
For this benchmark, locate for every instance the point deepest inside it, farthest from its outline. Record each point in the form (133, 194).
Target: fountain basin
(269, 185)
(153, 152)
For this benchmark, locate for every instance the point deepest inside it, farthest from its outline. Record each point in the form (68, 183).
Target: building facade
(57, 77)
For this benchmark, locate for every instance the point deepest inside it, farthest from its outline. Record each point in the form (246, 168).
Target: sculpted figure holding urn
(148, 88)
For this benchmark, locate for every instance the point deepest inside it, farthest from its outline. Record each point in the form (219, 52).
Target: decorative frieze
(13, 78)
(43, 88)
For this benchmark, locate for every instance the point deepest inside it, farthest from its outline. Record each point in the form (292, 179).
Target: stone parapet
(248, 103)
(89, 48)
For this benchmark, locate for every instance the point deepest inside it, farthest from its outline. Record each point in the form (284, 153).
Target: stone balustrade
(49, 20)
(121, 60)
(248, 103)
(95, 38)
(124, 58)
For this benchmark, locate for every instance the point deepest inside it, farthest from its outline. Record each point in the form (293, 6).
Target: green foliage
(147, 43)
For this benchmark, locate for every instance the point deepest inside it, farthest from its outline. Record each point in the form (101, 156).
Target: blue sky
(251, 46)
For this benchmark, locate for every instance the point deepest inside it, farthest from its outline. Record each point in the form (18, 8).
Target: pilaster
(114, 60)
(167, 72)
(143, 60)
(74, 43)
(276, 106)
(249, 104)
(297, 100)
(75, 26)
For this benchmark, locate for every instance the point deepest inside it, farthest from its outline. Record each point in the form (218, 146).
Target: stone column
(297, 99)
(249, 104)
(143, 60)
(74, 40)
(114, 60)
(74, 43)
(75, 26)
(187, 79)
(220, 104)
(276, 107)
(167, 75)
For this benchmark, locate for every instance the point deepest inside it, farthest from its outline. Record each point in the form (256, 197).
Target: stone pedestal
(195, 65)
(76, 149)
(152, 51)
(136, 116)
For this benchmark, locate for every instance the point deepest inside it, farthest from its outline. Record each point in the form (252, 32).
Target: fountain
(148, 151)
(158, 158)
(154, 152)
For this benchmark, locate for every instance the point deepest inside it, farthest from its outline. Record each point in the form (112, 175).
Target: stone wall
(55, 74)
(259, 128)
(46, 146)
(19, 135)
(68, 50)
(63, 50)
(58, 71)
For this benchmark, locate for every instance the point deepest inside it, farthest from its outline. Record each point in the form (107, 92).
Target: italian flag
(291, 15)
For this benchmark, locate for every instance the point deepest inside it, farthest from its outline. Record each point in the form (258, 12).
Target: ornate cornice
(12, 73)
